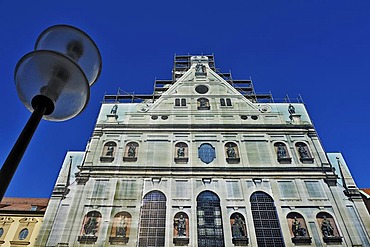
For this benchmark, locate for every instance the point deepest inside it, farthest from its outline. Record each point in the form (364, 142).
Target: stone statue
(238, 227)
(326, 228)
(91, 226)
(291, 109)
(180, 226)
(110, 151)
(281, 153)
(200, 68)
(230, 152)
(303, 152)
(297, 229)
(180, 152)
(202, 103)
(121, 228)
(114, 110)
(131, 151)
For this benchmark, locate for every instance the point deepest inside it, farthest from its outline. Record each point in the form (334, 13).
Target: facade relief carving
(131, 152)
(108, 152)
(298, 229)
(90, 228)
(120, 228)
(303, 152)
(282, 153)
(181, 152)
(181, 229)
(232, 153)
(328, 228)
(238, 230)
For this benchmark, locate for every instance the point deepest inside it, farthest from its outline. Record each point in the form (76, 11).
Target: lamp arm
(12, 161)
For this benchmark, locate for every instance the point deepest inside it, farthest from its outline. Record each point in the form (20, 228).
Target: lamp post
(53, 82)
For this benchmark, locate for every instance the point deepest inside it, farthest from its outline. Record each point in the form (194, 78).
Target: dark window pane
(266, 221)
(153, 220)
(210, 231)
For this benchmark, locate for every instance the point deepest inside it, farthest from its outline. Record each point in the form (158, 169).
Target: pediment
(206, 84)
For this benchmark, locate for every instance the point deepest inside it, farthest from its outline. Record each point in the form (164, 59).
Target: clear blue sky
(319, 49)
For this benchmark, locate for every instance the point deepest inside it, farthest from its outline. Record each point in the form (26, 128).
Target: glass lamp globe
(75, 44)
(52, 80)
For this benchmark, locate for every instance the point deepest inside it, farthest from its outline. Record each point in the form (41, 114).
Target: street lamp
(53, 82)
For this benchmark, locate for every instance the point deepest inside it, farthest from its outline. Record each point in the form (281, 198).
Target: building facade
(20, 220)
(204, 161)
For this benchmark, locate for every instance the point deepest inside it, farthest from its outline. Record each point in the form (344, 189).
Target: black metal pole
(15, 156)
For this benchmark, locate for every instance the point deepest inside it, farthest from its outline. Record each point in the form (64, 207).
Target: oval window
(23, 234)
(201, 89)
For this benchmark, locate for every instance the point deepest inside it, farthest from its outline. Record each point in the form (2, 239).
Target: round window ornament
(264, 108)
(201, 89)
(142, 107)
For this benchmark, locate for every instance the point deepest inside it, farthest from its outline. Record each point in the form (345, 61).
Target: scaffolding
(182, 63)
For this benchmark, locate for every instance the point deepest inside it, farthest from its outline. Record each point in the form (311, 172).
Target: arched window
(181, 152)
(183, 102)
(238, 229)
(298, 228)
(120, 228)
(177, 102)
(109, 151)
(266, 221)
(304, 152)
(153, 220)
(232, 153)
(181, 229)
(328, 228)
(203, 104)
(90, 227)
(131, 151)
(282, 153)
(210, 231)
(225, 102)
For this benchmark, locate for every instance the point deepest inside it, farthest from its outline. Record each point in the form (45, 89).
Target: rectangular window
(233, 189)
(258, 152)
(100, 189)
(288, 189)
(182, 189)
(126, 189)
(315, 189)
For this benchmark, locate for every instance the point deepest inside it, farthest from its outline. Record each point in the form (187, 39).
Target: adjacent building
(365, 193)
(20, 220)
(204, 161)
